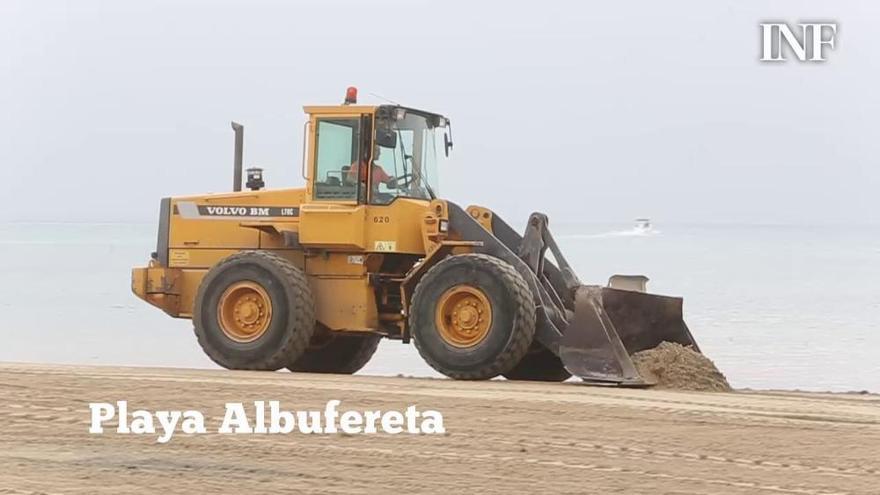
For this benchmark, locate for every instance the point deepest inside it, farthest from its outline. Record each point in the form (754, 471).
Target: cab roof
(352, 109)
(339, 109)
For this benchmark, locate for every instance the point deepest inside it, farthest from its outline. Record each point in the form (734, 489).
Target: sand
(675, 367)
(502, 437)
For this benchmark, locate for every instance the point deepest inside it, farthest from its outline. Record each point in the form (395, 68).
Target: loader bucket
(594, 330)
(610, 324)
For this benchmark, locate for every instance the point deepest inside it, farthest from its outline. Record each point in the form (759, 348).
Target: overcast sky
(589, 111)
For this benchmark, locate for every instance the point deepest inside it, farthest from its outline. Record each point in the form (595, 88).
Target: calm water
(775, 307)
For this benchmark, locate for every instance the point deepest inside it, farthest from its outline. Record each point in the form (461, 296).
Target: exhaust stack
(239, 150)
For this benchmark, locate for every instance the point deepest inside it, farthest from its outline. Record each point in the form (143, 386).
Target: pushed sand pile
(674, 366)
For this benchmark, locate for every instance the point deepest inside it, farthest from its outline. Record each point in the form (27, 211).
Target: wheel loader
(310, 279)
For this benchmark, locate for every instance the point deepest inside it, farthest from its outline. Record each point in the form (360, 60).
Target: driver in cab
(379, 175)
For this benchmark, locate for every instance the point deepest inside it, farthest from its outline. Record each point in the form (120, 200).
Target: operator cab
(376, 154)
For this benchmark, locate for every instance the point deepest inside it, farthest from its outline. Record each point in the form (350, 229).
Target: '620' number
(382, 219)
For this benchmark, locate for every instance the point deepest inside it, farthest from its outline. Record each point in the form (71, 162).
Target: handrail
(305, 149)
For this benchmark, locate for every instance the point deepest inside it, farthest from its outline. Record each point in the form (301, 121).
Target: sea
(775, 306)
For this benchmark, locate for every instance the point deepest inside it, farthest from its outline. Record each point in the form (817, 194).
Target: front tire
(254, 311)
(335, 352)
(472, 317)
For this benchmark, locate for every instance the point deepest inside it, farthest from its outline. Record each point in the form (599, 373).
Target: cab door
(334, 218)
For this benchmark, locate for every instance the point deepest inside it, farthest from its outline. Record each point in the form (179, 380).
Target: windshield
(410, 168)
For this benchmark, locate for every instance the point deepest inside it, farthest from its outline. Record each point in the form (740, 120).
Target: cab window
(409, 169)
(336, 144)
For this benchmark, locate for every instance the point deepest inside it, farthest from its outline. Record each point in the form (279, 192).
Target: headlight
(444, 226)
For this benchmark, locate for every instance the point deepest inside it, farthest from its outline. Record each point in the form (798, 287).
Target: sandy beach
(502, 437)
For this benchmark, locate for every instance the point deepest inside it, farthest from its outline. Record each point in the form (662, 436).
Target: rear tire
(335, 352)
(472, 317)
(254, 311)
(540, 365)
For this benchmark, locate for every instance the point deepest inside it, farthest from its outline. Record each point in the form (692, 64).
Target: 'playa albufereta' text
(264, 417)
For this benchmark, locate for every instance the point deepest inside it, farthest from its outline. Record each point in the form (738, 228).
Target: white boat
(643, 225)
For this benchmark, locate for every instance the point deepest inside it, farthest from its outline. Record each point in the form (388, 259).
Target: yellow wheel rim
(463, 316)
(244, 311)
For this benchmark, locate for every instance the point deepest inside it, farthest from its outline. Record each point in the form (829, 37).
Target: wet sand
(502, 437)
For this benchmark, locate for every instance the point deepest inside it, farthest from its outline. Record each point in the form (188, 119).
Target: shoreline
(573, 381)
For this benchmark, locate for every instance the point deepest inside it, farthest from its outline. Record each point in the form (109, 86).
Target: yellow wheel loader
(312, 278)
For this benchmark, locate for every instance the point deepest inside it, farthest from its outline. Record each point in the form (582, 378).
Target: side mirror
(447, 144)
(386, 138)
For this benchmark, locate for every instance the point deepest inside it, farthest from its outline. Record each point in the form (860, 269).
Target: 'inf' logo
(806, 46)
